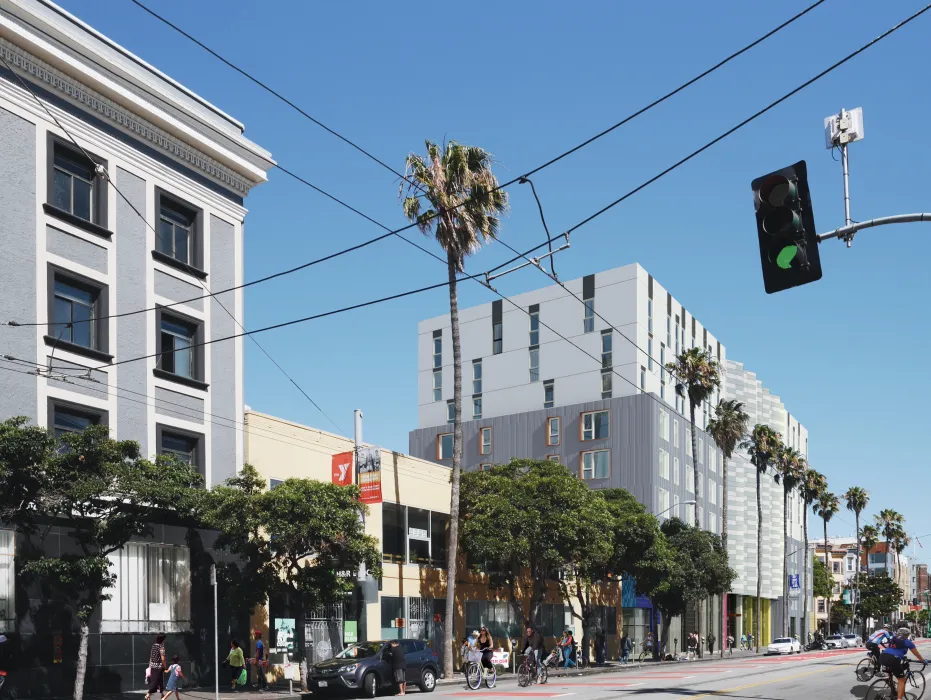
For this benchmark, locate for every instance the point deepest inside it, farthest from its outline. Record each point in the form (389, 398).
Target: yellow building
(411, 524)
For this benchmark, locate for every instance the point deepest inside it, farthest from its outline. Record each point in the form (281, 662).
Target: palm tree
(727, 429)
(463, 205)
(812, 486)
(697, 376)
(899, 542)
(789, 472)
(826, 506)
(762, 445)
(889, 523)
(857, 498)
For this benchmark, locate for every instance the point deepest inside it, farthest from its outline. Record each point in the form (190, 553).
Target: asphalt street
(824, 675)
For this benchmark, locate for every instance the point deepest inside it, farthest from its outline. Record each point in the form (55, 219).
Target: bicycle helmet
(887, 626)
(904, 632)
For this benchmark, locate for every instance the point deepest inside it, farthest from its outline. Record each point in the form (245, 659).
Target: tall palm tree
(899, 542)
(697, 376)
(826, 506)
(889, 522)
(762, 445)
(461, 207)
(789, 472)
(727, 428)
(857, 498)
(812, 486)
(869, 538)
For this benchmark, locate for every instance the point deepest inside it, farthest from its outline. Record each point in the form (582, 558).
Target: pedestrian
(692, 646)
(711, 641)
(730, 644)
(625, 646)
(157, 666)
(236, 663)
(743, 641)
(260, 662)
(394, 655)
(174, 678)
(568, 644)
(601, 647)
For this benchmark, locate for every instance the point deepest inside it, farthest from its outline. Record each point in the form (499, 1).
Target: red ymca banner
(342, 469)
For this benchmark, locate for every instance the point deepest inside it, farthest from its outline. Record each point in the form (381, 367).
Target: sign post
(216, 634)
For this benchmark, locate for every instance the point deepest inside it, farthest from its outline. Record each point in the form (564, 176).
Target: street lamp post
(683, 503)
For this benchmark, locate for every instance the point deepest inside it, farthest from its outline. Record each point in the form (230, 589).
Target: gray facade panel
(18, 392)
(77, 383)
(178, 290)
(176, 404)
(76, 249)
(223, 355)
(132, 253)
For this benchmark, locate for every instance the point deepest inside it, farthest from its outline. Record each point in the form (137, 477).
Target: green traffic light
(786, 256)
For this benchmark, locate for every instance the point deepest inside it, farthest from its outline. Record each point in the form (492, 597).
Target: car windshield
(784, 640)
(850, 636)
(362, 650)
(834, 636)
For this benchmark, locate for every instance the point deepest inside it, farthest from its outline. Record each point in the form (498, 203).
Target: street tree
(889, 522)
(452, 194)
(789, 470)
(813, 483)
(879, 596)
(25, 454)
(869, 537)
(104, 494)
(827, 506)
(856, 499)
(762, 446)
(727, 428)
(697, 375)
(822, 583)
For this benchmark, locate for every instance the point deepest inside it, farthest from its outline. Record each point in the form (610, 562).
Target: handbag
(243, 677)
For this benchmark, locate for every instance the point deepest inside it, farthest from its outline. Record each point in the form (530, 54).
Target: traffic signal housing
(785, 225)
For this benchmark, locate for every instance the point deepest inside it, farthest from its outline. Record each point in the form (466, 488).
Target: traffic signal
(785, 224)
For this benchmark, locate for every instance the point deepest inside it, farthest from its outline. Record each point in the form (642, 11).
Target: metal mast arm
(845, 233)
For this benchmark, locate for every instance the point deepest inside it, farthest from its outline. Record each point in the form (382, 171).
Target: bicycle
(868, 667)
(644, 655)
(475, 673)
(527, 672)
(887, 688)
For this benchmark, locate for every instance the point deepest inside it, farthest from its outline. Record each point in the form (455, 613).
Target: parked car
(853, 640)
(837, 641)
(360, 669)
(784, 645)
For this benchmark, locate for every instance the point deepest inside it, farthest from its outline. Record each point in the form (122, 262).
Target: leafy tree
(912, 616)
(827, 506)
(813, 483)
(840, 614)
(463, 204)
(25, 453)
(104, 493)
(856, 498)
(822, 583)
(923, 616)
(790, 470)
(879, 596)
(762, 445)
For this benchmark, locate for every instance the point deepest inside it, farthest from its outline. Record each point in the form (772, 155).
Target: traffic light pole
(845, 233)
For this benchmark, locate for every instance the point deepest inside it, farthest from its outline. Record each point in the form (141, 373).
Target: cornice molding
(108, 110)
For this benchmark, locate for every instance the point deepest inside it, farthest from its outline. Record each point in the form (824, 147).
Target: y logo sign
(342, 468)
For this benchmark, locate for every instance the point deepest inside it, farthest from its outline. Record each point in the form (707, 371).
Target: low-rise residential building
(918, 589)
(840, 558)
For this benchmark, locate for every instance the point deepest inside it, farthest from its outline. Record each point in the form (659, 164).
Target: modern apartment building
(121, 191)
(610, 414)
(764, 407)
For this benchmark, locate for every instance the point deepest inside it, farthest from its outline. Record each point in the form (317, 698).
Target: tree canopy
(879, 595)
(821, 581)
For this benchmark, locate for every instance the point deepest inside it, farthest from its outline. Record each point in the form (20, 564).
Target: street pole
(216, 634)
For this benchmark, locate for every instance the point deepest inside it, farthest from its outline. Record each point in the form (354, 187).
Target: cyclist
(879, 637)
(893, 657)
(534, 642)
(484, 645)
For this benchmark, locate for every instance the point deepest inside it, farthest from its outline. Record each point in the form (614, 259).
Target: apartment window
(274, 483)
(444, 446)
(588, 319)
(534, 364)
(437, 385)
(437, 349)
(690, 513)
(607, 384)
(179, 238)
(596, 425)
(835, 567)
(701, 486)
(535, 324)
(552, 431)
(675, 432)
(678, 348)
(650, 353)
(689, 480)
(596, 464)
(554, 458)
(549, 393)
(662, 388)
(664, 464)
(674, 513)
(496, 339)
(70, 418)
(476, 407)
(712, 493)
(821, 606)
(476, 376)
(675, 470)
(607, 346)
(664, 425)
(181, 444)
(484, 467)
(643, 379)
(663, 502)
(7, 580)
(701, 451)
(76, 193)
(650, 315)
(669, 331)
(850, 565)
(688, 442)
(451, 410)
(712, 460)
(180, 348)
(485, 441)
(76, 309)
(152, 592)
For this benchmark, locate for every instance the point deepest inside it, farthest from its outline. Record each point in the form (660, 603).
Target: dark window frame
(98, 223)
(200, 450)
(101, 345)
(103, 416)
(196, 266)
(197, 382)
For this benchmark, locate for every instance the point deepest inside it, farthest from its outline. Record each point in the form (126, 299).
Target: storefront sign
(794, 585)
(350, 631)
(370, 474)
(500, 658)
(342, 468)
(284, 635)
(418, 533)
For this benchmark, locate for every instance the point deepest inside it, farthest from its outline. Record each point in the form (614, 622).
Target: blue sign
(794, 582)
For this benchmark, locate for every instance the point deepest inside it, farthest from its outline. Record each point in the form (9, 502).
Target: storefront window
(393, 533)
(439, 524)
(636, 624)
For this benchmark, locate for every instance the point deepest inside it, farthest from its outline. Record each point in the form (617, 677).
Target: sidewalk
(279, 692)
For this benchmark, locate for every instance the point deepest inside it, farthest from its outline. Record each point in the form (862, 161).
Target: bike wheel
(915, 685)
(491, 677)
(880, 690)
(473, 675)
(545, 676)
(865, 670)
(523, 676)
(641, 656)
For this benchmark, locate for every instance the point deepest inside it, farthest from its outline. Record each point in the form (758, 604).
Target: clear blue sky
(526, 80)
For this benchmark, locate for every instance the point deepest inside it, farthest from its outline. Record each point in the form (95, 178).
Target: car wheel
(427, 681)
(370, 685)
